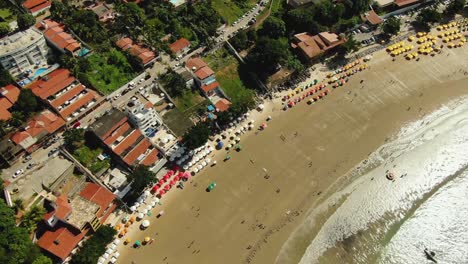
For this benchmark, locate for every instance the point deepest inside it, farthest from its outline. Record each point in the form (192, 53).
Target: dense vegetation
(140, 178)
(174, 83)
(391, 26)
(15, 245)
(95, 246)
(197, 135)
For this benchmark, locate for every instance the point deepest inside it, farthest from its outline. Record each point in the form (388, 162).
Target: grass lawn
(107, 77)
(226, 72)
(188, 100)
(88, 157)
(6, 15)
(228, 9)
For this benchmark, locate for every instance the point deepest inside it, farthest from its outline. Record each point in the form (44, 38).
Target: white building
(23, 51)
(143, 116)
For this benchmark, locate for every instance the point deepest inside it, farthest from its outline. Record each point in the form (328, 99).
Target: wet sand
(247, 218)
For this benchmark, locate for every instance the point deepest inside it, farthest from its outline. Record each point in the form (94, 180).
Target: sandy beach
(303, 153)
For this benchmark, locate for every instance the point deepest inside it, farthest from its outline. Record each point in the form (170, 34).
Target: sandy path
(245, 220)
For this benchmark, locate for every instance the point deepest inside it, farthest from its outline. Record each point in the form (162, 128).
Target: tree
(15, 245)
(428, 16)
(273, 27)
(268, 53)
(18, 205)
(141, 177)
(197, 135)
(131, 19)
(5, 77)
(32, 218)
(239, 41)
(42, 260)
(350, 45)
(455, 6)
(391, 26)
(74, 139)
(17, 119)
(95, 246)
(25, 21)
(27, 102)
(174, 83)
(329, 13)
(4, 29)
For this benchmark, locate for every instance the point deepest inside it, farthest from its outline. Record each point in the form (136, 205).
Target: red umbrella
(322, 94)
(167, 187)
(316, 98)
(171, 172)
(162, 192)
(161, 182)
(180, 174)
(166, 177)
(176, 178)
(172, 182)
(155, 188)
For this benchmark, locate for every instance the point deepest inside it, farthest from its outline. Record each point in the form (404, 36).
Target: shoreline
(264, 217)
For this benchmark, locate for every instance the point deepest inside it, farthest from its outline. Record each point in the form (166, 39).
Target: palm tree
(18, 205)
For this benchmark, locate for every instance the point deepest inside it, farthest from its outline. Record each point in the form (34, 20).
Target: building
(187, 76)
(59, 39)
(371, 18)
(144, 55)
(128, 144)
(69, 220)
(396, 3)
(310, 46)
(143, 116)
(8, 97)
(104, 12)
(205, 79)
(37, 6)
(180, 47)
(23, 51)
(38, 128)
(65, 94)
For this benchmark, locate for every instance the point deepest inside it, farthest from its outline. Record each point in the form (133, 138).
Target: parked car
(18, 173)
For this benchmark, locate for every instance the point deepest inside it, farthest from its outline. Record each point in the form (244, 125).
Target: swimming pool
(83, 52)
(38, 72)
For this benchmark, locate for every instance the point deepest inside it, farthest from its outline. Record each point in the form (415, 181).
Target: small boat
(390, 176)
(430, 255)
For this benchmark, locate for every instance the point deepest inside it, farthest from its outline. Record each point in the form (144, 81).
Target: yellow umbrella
(419, 34)
(410, 38)
(414, 54)
(127, 240)
(409, 56)
(460, 44)
(439, 28)
(445, 40)
(147, 239)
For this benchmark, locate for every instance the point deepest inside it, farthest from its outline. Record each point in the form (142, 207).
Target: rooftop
(108, 123)
(209, 87)
(98, 195)
(204, 73)
(195, 63)
(55, 33)
(313, 45)
(372, 17)
(84, 211)
(223, 105)
(401, 3)
(8, 97)
(179, 45)
(19, 40)
(138, 50)
(60, 241)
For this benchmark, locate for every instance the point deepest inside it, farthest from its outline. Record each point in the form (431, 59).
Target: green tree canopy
(32, 218)
(15, 245)
(131, 19)
(95, 246)
(455, 6)
(174, 83)
(74, 139)
(25, 21)
(4, 29)
(391, 26)
(197, 135)
(428, 16)
(5, 77)
(42, 260)
(273, 27)
(27, 102)
(268, 53)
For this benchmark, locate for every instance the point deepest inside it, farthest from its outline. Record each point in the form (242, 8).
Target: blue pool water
(38, 72)
(83, 52)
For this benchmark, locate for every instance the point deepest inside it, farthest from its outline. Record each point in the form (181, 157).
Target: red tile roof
(40, 7)
(55, 33)
(88, 97)
(110, 132)
(210, 87)
(67, 96)
(32, 3)
(179, 45)
(99, 195)
(118, 132)
(313, 45)
(145, 55)
(195, 63)
(372, 17)
(63, 209)
(139, 149)
(124, 43)
(127, 142)
(151, 158)
(223, 105)
(60, 242)
(52, 83)
(204, 73)
(10, 92)
(4, 114)
(44, 123)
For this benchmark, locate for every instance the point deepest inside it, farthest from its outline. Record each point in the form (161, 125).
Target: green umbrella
(239, 147)
(137, 243)
(315, 81)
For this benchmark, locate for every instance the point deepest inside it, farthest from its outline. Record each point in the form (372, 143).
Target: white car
(18, 173)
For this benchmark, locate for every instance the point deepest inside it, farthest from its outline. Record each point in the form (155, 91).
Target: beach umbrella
(252, 121)
(116, 241)
(127, 240)
(155, 200)
(199, 167)
(204, 163)
(113, 260)
(116, 254)
(112, 247)
(251, 126)
(264, 125)
(155, 188)
(197, 159)
(190, 164)
(167, 187)
(166, 177)
(133, 208)
(195, 170)
(237, 139)
(208, 160)
(109, 251)
(147, 239)
(161, 182)
(148, 207)
(185, 167)
(153, 204)
(172, 183)
(145, 223)
(138, 243)
(122, 233)
(105, 256)
(140, 215)
(162, 192)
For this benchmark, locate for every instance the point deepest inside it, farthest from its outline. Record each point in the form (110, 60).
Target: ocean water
(374, 220)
